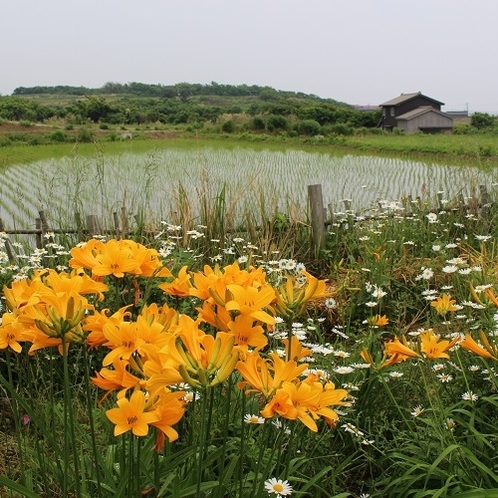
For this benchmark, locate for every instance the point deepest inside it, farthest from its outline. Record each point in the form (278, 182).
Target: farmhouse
(412, 112)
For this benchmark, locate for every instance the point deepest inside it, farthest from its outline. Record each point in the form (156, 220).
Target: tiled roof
(408, 96)
(419, 111)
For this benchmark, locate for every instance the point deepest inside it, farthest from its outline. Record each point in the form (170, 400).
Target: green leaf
(14, 486)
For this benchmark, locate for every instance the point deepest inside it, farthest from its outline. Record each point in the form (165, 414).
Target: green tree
(481, 120)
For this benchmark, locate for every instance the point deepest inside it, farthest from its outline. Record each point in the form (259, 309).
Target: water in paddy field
(149, 183)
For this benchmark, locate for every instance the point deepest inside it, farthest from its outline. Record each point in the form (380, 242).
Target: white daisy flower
(277, 486)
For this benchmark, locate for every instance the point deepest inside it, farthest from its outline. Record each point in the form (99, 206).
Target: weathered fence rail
(320, 217)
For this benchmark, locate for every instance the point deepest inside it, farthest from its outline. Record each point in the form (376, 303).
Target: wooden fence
(321, 216)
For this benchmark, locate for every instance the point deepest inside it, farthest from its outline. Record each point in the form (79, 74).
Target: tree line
(265, 108)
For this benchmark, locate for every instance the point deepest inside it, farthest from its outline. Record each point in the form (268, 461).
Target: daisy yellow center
(278, 487)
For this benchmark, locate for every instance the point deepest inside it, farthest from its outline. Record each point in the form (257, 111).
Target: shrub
(228, 126)
(58, 136)
(258, 123)
(341, 129)
(111, 137)
(276, 122)
(308, 127)
(85, 135)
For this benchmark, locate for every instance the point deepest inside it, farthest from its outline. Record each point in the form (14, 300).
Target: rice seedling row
(148, 183)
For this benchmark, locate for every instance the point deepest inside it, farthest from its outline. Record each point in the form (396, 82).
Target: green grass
(472, 150)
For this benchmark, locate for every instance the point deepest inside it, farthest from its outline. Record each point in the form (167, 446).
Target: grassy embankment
(475, 150)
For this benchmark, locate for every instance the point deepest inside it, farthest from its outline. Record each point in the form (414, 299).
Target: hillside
(183, 107)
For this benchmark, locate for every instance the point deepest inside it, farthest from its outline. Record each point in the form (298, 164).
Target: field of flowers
(182, 365)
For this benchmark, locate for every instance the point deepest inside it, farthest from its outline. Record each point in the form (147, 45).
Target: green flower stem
(16, 414)
(395, 402)
(91, 420)
(69, 435)
(262, 447)
(242, 444)
(206, 404)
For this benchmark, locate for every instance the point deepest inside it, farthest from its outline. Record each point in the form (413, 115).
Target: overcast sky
(355, 51)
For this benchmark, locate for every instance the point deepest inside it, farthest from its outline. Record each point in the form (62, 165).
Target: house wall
(429, 120)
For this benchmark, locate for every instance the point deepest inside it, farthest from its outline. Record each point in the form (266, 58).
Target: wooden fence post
(8, 245)
(317, 216)
(93, 225)
(39, 233)
(484, 200)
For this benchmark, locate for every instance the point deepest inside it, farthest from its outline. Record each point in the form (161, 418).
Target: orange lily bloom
(84, 255)
(147, 259)
(294, 350)
(433, 347)
(267, 376)
(11, 333)
(378, 321)
(397, 347)
(115, 258)
(443, 304)
(247, 333)
(251, 301)
(470, 344)
(131, 415)
(280, 404)
(169, 409)
(293, 295)
(180, 286)
(118, 378)
(207, 360)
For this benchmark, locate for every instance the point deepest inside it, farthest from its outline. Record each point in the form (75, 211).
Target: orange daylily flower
(115, 259)
(280, 404)
(131, 415)
(294, 350)
(443, 304)
(251, 301)
(247, 333)
(84, 255)
(147, 259)
(395, 352)
(433, 347)
(180, 286)
(118, 378)
(22, 293)
(491, 296)
(169, 409)
(378, 320)
(126, 338)
(305, 401)
(207, 360)
(397, 347)
(11, 333)
(95, 322)
(470, 344)
(74, 283)
(267, 376)
(293, 295)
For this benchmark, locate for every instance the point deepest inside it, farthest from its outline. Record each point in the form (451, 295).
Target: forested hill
(213, 107)
(183, 91)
